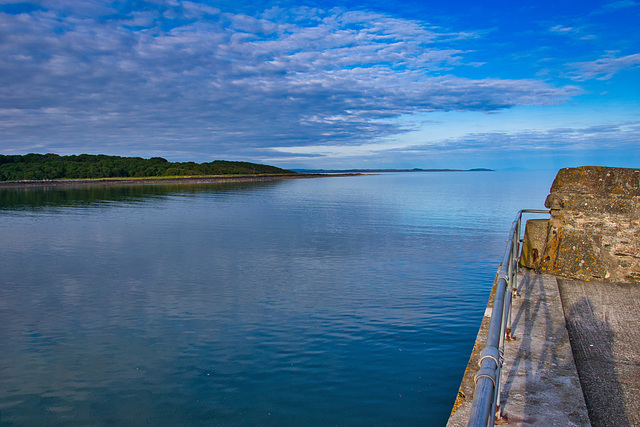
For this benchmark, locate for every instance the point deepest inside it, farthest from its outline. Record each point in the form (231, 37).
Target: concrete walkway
(603, 320)
(540, 384)
(576, 357)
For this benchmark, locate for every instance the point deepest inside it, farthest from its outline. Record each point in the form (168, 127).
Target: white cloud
(488, 144)
(576, 32)
(301, 76)
(562, 30)
(621, 4)
(603, 68)
(476, 139)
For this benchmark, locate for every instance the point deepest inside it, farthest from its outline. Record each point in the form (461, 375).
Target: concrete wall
(594, 226)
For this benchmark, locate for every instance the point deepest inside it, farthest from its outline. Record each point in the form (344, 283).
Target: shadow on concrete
(592, 342)
(540, 380)
(521, 328)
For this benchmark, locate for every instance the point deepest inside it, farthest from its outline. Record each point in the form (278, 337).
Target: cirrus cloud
(191, 79)
(604, 68)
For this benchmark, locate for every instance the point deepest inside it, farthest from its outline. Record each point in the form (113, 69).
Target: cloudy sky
(325, 84)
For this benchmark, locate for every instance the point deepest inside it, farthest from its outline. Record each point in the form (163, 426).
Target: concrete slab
(540, 383)
(603, 320)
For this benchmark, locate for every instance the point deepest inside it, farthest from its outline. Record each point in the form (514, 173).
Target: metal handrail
(485, 408)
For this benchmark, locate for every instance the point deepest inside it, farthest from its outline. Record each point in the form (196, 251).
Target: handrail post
(513, 269)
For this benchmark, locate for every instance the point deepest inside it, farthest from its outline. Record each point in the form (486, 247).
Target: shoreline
(65, 183)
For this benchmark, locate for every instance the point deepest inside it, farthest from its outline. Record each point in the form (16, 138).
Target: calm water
(335, 301)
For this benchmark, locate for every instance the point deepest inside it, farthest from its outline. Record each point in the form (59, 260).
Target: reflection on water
(34, 198)
(334, 301)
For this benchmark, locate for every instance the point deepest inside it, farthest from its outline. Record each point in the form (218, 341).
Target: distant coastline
(388, 170)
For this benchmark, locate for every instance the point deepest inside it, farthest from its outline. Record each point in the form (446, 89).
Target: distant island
(88, 166)
(388, 170)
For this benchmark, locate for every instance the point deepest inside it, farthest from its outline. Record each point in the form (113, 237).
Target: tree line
(53, 166)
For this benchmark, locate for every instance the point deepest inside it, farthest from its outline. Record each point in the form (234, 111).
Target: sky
(327, 84)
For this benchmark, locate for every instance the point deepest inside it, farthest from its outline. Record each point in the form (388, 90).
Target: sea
(333, 301)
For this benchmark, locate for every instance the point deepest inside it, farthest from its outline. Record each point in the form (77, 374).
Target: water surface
(350, 301)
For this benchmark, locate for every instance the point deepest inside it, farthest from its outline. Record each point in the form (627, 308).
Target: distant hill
(53, 166)
(388, 170)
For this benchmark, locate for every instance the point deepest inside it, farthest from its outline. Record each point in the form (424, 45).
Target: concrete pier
(540, 383)
(575, 360)
(576, 357)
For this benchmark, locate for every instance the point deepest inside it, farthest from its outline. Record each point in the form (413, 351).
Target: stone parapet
(594, 226)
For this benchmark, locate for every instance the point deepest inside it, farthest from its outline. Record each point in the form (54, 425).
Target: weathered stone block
(535, 238)
(597, 181)
(594, 226)
(574, 253)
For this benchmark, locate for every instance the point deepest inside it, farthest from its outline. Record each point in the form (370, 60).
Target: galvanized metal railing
(485, 409)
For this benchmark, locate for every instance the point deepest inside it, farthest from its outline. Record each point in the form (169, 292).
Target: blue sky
(325, 84)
